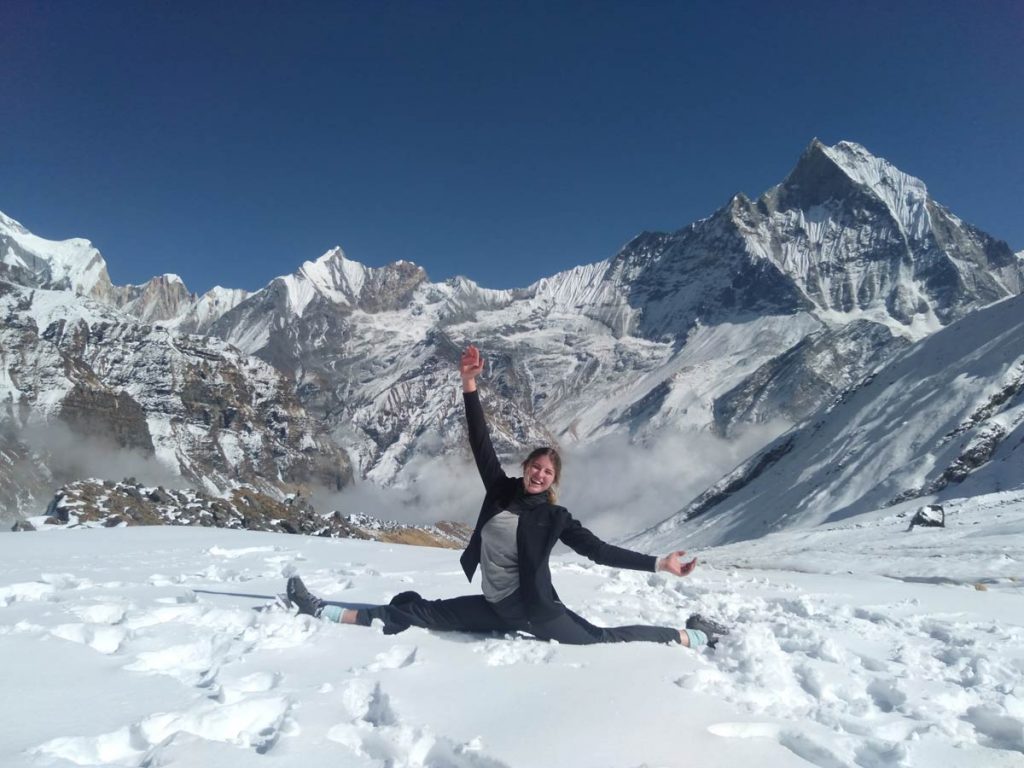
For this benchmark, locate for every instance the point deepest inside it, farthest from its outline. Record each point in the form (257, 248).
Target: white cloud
(616, 487)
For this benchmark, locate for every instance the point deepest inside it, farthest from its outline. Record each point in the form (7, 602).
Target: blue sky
(231, 141)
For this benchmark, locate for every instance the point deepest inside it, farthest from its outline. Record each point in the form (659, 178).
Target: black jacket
(541, 524)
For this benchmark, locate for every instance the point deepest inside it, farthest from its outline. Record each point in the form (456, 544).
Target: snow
(209, 307)
(332, 276)
(73, 261)
(857, 645)
(905, 196)
(51, 306)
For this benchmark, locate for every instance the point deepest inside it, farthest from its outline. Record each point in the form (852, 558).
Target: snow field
(164, 646)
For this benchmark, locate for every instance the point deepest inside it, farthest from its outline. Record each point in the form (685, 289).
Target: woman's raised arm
(470, 366)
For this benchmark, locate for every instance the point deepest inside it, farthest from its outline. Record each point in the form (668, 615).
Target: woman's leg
(471, 613)
(571, 629)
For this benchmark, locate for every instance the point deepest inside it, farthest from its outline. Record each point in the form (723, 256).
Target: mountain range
(764, 313)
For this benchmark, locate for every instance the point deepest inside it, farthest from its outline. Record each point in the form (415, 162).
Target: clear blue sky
(230, 141)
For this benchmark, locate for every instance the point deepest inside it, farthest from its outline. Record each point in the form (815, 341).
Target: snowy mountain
(946, 417)
(758, 314)
(70, 265)
(76, 266)
(85, 390)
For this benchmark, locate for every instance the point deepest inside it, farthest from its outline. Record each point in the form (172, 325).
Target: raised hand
(673, 563)
(470, 366)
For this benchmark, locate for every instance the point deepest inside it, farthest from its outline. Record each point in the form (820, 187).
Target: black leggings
(473, 613)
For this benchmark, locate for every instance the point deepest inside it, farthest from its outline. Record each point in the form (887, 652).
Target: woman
(517, 528)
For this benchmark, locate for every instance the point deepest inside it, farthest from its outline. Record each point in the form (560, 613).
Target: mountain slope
(92, 391)
(946, 417)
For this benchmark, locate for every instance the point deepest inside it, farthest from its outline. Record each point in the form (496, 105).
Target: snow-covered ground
(863, 644)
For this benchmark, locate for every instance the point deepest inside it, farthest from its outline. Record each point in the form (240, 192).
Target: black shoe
(711, 628)
(303, 599)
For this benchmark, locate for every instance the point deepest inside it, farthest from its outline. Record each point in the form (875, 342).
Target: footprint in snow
(396, 657)
(999, 730)
(252, 724)
(234, 691)
(376, 731)
(193, 664)
(104, 639)
(27, 592)
(799, 743)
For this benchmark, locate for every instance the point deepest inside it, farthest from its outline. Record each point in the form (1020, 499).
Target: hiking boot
(711, 628)
(303, 599)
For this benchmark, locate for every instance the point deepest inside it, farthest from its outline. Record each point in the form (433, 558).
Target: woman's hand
(470, 366)
(673, 563)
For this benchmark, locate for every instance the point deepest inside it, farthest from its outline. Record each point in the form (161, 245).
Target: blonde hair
(556, 461)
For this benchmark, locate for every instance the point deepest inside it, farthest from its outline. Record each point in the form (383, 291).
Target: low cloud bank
(431, 489)
(71, 456)
(613, 486)
(617, 488)
(40, 458)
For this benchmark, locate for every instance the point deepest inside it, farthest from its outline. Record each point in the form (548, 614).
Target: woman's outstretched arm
(470, 366)
(587, 544)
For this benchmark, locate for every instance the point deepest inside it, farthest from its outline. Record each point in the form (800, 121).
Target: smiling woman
(518, 525)
(541, 472)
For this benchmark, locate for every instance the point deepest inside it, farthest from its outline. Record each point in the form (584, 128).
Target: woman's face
(539, 475)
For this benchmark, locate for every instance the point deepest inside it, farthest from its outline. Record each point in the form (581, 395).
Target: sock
(331, 613)
(696, 638)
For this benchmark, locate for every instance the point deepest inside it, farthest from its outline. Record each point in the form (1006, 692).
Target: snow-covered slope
(862, 646)
(947, 416)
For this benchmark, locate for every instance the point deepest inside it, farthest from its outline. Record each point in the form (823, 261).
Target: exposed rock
(820, 368)
(91, 409)
(184, 406)
(949, 409)
(98, 503)
(929, 516)
(765, 311)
